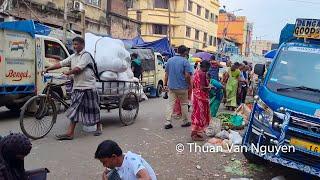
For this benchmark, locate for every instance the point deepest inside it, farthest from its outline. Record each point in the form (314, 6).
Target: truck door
(52, 52)
(159, 68)
(18, 61)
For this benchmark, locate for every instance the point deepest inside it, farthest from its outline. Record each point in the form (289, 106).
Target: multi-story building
(193, 23)
(104, 17)
(237, 29)
(261, 47)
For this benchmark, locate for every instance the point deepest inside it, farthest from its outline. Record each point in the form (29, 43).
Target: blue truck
(286, 112)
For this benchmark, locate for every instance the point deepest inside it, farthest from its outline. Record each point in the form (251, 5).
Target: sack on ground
(235, 137)
(214, 127)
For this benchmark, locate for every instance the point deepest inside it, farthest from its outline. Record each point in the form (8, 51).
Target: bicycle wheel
(37, 117)
(128, 108)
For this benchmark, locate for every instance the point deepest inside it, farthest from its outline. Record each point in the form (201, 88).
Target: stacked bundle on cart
(113, 63)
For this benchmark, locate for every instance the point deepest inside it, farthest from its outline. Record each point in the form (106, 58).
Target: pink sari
(201, 110)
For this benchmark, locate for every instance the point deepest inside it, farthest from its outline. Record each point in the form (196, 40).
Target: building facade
(261, 47)
(237, 29)
(193, 23)
(99, 16)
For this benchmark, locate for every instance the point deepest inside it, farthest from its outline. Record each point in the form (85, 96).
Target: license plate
(305, 144)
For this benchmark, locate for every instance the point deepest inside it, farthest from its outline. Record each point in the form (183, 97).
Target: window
(188, 32)
(160, 29)
(212, 17)
(210, 40)
(214, 41)
(199, 10)
(216, 19)
(207, 14)
(54, 50)
(205, 37)
(190, 5)
(160, 60)
(197, 35)
(94, 2)
(163, 4)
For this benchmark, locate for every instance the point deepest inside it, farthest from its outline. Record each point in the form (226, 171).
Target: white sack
(126, 76)
(109, 76)
(110, 54)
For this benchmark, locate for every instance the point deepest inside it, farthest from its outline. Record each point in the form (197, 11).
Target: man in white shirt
(129, 166)
(85, 100)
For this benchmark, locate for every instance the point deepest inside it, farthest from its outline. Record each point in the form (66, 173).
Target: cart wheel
(128, 108)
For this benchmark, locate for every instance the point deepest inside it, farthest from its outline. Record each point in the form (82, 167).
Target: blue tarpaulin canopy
(133, 42)
(286, 33)
(162, 45)
(28, 26)
(271, 54)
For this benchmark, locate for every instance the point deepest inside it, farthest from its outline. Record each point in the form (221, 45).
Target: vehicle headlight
(263, 113)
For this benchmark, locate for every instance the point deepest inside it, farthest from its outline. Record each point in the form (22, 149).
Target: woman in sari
(216, 96)
(201, 113)
(231, 81)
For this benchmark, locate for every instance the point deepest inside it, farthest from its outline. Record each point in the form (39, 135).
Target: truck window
(160, 60)
(54, 50)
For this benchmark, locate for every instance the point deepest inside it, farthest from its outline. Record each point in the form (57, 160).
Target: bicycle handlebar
(60, 76)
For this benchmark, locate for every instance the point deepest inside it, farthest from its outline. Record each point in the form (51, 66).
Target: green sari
(216, 96)
(232, 87)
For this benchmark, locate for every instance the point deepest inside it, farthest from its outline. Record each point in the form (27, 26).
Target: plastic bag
(214, 127)
(215, 141)
(244, 111)
(223, 135)
(236, 120)
(235, 137)
(89, 129)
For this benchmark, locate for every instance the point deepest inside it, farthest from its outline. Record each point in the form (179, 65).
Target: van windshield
(296, 67)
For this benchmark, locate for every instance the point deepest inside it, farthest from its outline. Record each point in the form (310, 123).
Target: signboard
(307, 28)
(19, 71)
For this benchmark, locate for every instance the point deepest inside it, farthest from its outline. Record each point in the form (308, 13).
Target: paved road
(74, 160)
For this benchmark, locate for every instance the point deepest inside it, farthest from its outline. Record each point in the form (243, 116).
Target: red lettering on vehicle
(18, 76)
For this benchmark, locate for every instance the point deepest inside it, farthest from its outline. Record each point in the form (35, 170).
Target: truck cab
(287, 108)
(153, 70)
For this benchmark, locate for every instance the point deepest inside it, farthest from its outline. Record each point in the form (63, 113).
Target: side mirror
(259, 69)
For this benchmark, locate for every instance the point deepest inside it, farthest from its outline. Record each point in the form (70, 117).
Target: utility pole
(169, 10)
(65, 21)
(83, 23)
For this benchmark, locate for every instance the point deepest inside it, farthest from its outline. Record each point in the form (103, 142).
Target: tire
(159, 90)
(40, 111)
(15, 107)
(128, 108)
(252, 158)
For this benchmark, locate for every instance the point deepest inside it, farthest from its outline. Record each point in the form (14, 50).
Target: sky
(270, 16)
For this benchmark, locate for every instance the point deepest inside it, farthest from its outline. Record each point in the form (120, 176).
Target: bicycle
(41, 112)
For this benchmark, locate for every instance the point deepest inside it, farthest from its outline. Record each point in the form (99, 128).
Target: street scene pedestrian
(231, 81)
(184, 90)
(13, 150)
(84, 106)
(126, 166)
(201, 111)
(177, 82)
(136, 66)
